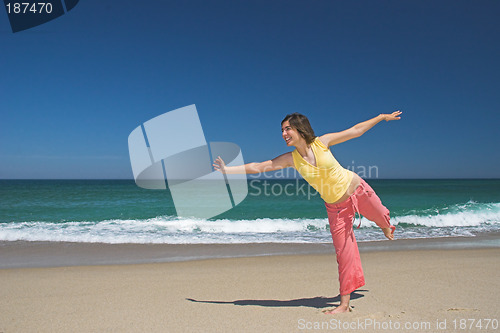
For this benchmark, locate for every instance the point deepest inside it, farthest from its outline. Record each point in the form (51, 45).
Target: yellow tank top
(328, 177)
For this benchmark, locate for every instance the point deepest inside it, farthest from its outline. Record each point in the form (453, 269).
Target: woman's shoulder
(319, 141)
(285, 160)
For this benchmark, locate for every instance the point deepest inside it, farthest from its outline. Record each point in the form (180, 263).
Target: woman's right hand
(219, 165)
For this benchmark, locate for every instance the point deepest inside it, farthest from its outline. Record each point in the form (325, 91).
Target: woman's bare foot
(343, 307)
(389, 232)
(338, 309)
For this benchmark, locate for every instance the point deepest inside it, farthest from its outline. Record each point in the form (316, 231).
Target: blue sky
(73, 89)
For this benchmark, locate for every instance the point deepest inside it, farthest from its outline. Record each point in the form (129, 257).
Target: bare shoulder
(284, 160)
(326, 138)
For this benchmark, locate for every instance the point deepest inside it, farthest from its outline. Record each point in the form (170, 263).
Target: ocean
(275, 211)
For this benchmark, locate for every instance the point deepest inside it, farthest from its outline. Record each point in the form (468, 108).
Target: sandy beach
(429, 290)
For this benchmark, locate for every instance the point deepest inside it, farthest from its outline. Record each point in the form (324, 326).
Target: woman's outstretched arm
(280, 162)
(357, 130)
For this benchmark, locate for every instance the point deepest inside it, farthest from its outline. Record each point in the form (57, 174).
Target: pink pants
(341, 217)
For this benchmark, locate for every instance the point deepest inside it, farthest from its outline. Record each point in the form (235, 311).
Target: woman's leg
(371, 207)
(340, 218)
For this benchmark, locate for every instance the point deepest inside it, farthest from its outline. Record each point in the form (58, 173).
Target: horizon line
(269, 178)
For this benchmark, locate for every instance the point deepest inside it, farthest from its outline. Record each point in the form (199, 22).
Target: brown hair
(302, 125)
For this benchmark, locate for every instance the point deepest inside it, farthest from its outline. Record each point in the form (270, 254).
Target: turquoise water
(117, 211)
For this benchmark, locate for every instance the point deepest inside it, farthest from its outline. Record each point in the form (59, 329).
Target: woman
(343, 191)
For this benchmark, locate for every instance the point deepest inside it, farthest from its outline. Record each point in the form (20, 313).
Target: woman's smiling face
(290, 134)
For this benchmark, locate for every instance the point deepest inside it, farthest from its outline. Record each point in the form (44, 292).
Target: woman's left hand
(393, 116)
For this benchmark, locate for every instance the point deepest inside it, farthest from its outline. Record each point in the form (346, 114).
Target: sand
(424, 290)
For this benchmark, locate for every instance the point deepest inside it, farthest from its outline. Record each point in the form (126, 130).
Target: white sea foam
(463, 215)
(457, 220)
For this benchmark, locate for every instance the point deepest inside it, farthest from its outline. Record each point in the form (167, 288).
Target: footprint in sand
(461, 309)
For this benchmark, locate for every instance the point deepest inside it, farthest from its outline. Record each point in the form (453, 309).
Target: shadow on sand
(313, 302)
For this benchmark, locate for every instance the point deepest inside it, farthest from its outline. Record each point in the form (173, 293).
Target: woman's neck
(302, 147)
